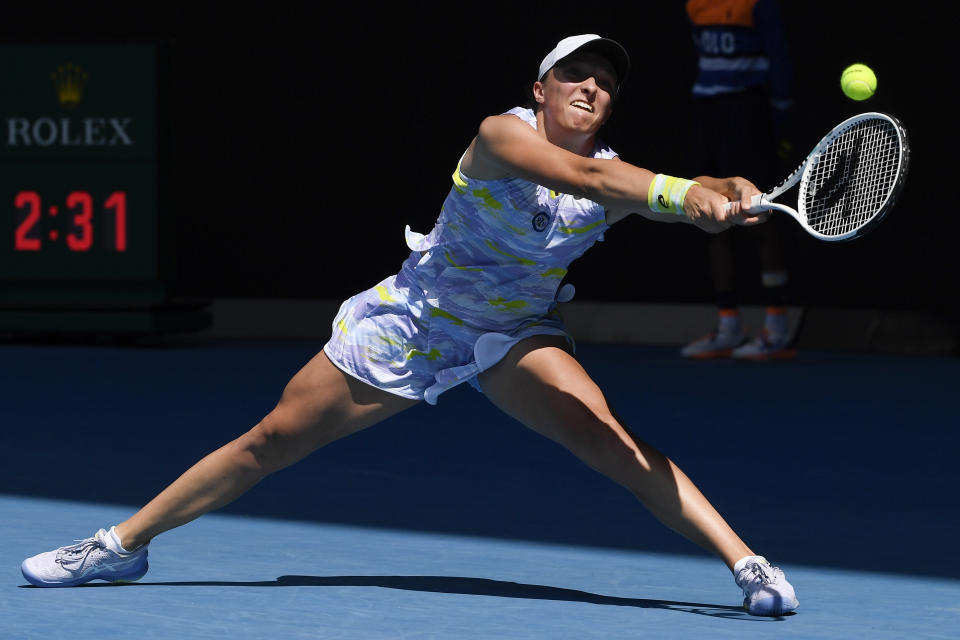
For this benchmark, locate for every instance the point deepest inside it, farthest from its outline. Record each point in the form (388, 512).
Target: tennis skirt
(396, 341)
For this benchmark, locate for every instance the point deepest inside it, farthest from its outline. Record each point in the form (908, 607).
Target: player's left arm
(737, 190)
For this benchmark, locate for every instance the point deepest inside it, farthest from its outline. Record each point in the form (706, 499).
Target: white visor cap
(612, 50)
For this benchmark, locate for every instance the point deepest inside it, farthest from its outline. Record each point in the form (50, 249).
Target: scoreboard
(83, 240)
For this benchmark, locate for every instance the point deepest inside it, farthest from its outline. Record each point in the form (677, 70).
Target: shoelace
(77, 553)
(766, 573)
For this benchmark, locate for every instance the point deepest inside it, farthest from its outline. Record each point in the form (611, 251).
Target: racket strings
(851, 181)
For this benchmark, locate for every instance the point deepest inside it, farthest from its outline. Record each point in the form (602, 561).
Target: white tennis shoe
(718, 344)
(766, 346)
(766, 591)
(89, 559)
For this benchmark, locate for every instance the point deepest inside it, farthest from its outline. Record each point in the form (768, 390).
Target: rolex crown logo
(69, 80)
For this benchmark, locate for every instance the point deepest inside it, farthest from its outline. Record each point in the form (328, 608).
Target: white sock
(776, 322)
(728, 322)
(113, 541)
(742, 562)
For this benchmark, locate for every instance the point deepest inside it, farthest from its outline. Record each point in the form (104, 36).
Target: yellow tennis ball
(858, 81)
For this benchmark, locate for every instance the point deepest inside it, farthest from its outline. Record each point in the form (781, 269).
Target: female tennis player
(477, 301)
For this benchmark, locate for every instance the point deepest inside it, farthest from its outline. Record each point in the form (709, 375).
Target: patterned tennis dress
(487, 276)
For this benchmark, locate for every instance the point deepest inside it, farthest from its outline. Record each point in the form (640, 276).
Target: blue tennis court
(455, 522)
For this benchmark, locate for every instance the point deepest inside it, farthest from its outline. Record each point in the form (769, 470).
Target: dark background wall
(303, 137)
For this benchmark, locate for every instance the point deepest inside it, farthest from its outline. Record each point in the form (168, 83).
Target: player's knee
(270, 445)
(629, 467)
(608, 447)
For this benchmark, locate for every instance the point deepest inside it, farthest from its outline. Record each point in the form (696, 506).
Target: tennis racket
(850, 180)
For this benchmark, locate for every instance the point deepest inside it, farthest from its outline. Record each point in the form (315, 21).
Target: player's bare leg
(320, 404)
(540, 384)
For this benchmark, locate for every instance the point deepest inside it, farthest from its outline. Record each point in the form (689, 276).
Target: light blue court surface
(229, 576)
(454, 522)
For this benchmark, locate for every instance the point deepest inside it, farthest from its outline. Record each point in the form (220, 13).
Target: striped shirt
(741, 45)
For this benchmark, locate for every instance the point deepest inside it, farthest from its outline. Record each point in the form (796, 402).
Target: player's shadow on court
(470, 586)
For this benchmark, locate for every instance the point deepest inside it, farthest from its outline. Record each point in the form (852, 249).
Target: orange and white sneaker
(718, 344)
(766, 346)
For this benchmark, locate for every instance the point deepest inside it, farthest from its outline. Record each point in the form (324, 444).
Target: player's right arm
(506, 146)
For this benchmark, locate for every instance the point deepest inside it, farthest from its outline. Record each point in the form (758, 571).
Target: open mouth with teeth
(580, 104)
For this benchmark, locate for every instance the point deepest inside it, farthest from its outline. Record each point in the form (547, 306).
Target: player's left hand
(704, 207)
(741, 191)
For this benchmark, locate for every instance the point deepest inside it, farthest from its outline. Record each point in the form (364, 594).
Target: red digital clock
(69, 223)
(82, 246)
(77, 220)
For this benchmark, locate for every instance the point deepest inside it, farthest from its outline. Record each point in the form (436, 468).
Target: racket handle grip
(755, 202)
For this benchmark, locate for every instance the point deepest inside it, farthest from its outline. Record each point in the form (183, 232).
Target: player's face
(579, 91)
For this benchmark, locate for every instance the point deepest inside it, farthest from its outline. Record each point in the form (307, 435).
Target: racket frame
(801, 175)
